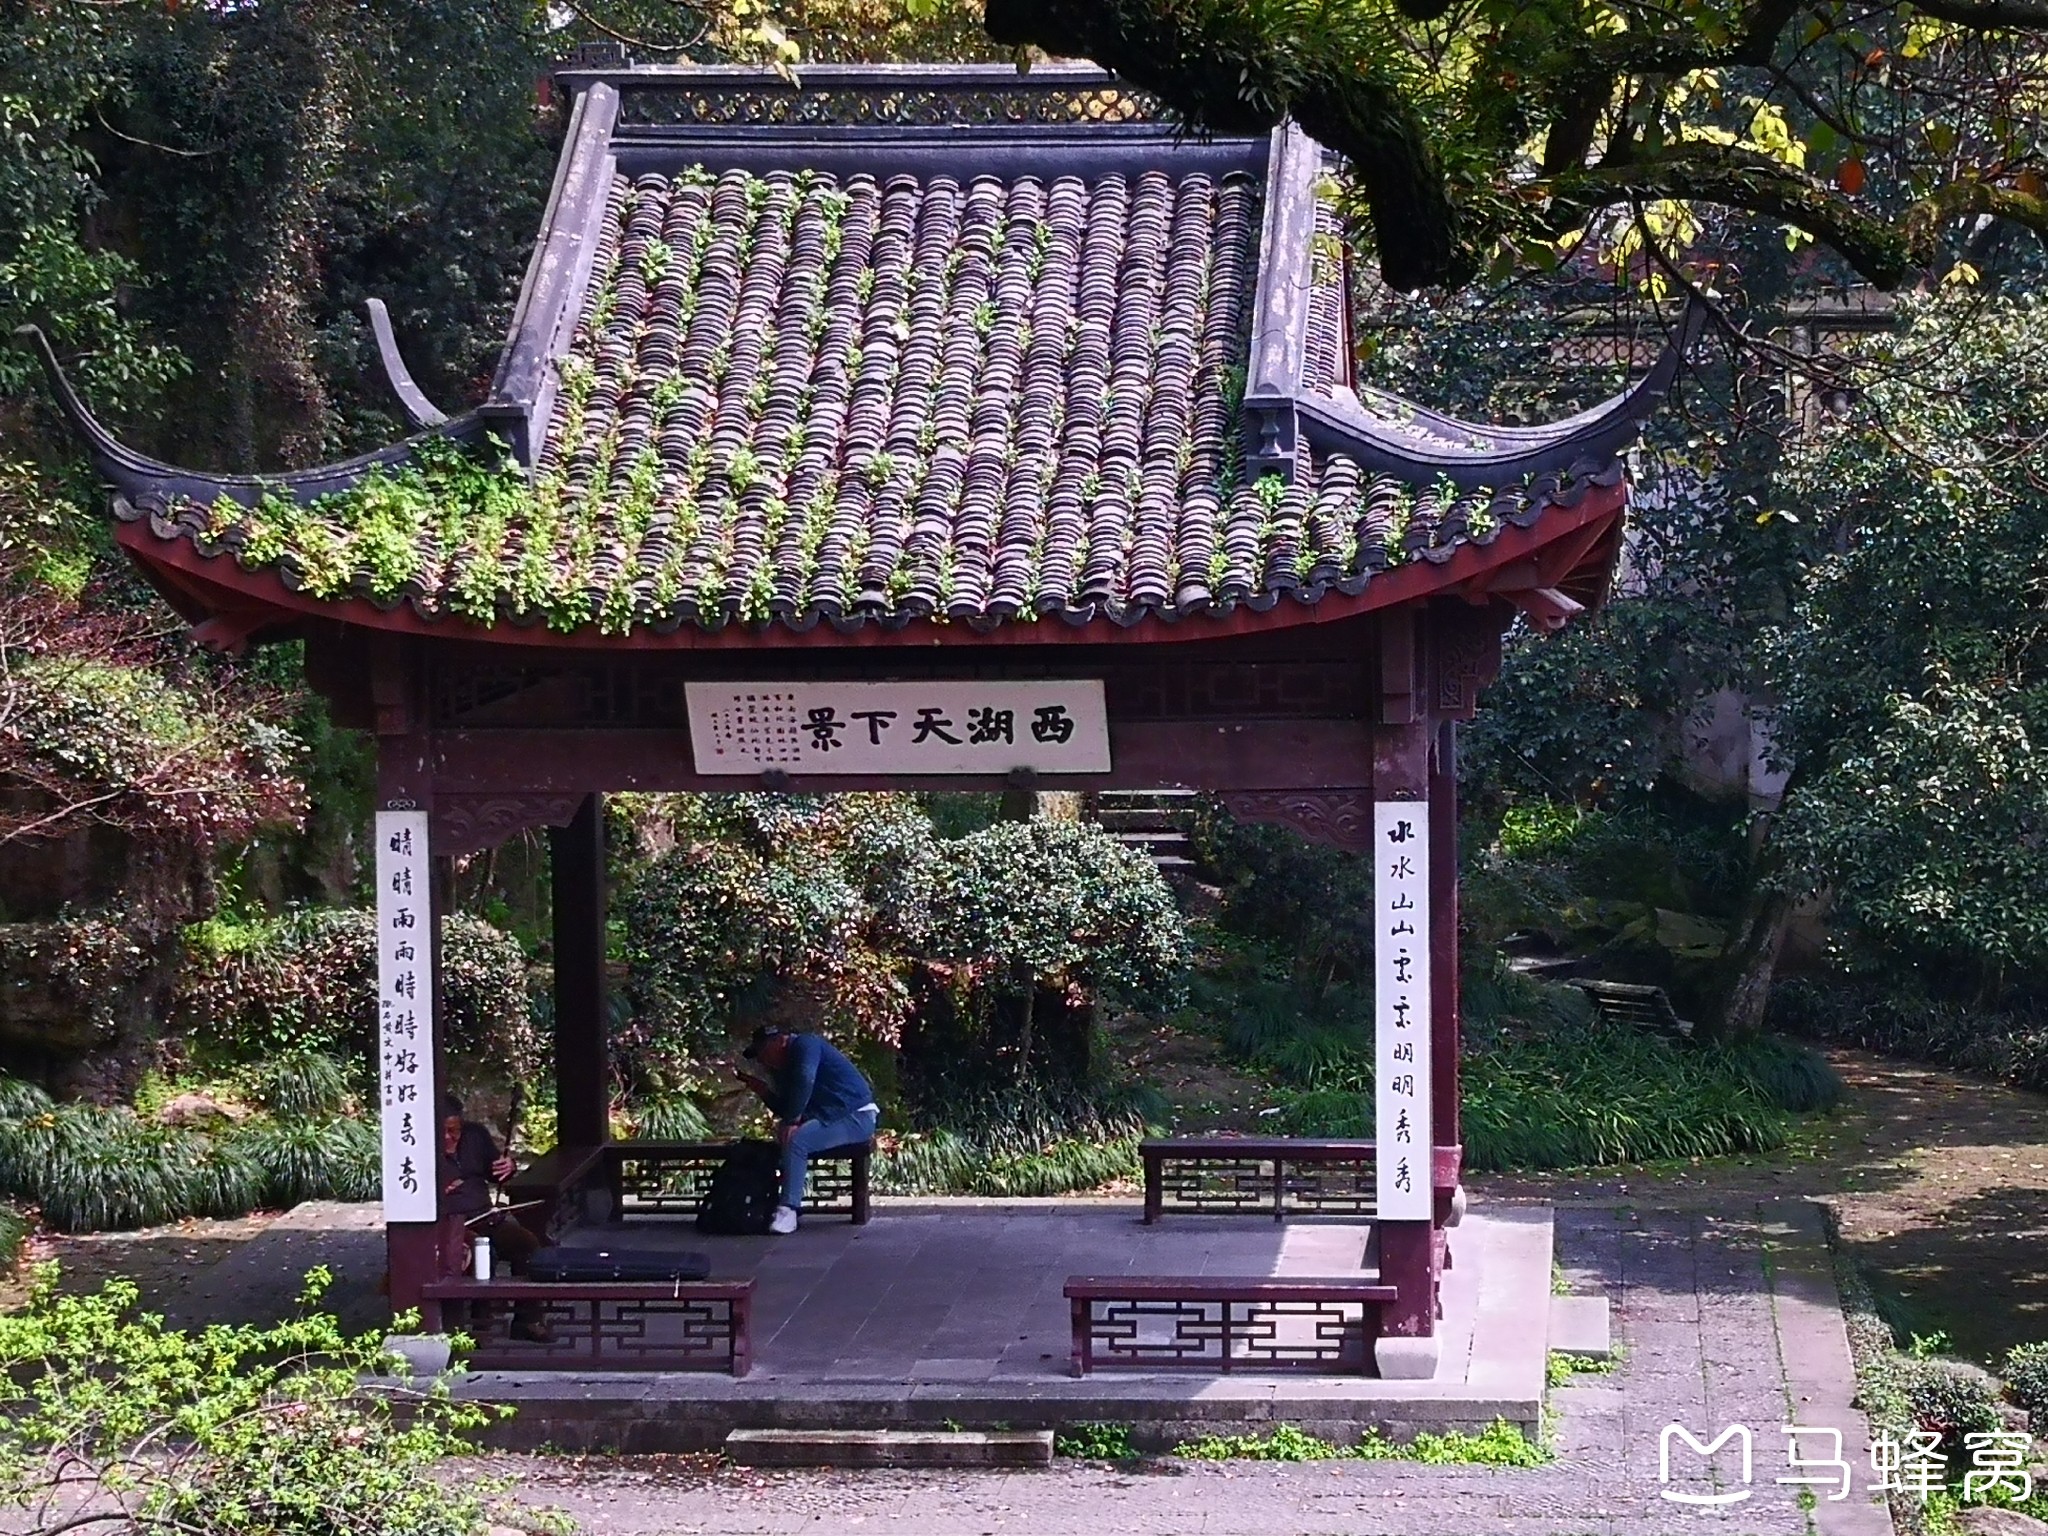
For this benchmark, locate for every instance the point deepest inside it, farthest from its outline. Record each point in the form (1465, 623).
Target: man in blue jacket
(820, 1100)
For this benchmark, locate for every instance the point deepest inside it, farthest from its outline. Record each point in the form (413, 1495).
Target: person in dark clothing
(469, 1164)
(819, 1099)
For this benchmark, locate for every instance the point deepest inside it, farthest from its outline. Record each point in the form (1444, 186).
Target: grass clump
(298, 1084)
(1500, 1444)
(91, 1169)
(2026, 1381)
(324, 1159)
(1095, 1442)
(1561, 1368)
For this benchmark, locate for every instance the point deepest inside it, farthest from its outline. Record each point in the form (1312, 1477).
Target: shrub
(234, 1431)
(1792, 1076)
(307, 982)
(1950, 1396)
(759, 903)
(314, 1159)
(671, 1117)
(299, 1085)
(14, 1230)
(2026, 1379)
(2010, 1044)
(91, 1169)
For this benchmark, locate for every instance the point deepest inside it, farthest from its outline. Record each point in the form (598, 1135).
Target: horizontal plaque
(898, 728)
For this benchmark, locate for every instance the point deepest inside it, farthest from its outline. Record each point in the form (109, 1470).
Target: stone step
(890, 1447)
(1579, 1326)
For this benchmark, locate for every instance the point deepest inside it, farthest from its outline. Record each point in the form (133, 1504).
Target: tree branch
(1989, 15)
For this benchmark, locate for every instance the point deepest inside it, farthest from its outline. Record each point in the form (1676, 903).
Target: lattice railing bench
(621, 1325)
(1225, 1323)
(1278, 1176)
(669, 1178)
(549, 1190)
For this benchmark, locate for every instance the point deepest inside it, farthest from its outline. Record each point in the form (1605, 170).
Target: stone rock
(196, 1109)
(1980, 1520)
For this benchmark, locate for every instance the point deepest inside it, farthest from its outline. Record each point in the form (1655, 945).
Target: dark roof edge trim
(137, 476)
(1273, 382)
(421, 411)
(1335, 425)
(523, 392)
(1049, 77)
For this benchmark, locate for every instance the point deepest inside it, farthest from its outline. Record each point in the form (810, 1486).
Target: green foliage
(310, 1159)
(298, 1084)
(236, 1431)
(670, 1117)
(1500, 1444)
(306, 982)
(767, 903)
(1951, 1397)
(90, 1169)
(1782, 1072)
(14, 1230)
(1913, 673)
(1045, 902)
(2025, 1370)
(2009, 1043)
(1095, 1442)
(1558, 1368)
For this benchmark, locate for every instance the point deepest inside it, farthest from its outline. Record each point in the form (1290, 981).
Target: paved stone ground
(1724, 1319)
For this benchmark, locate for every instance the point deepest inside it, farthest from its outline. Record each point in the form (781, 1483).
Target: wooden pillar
(405, 783)
(1403, 739)
(582, 1072)
(1443, 914)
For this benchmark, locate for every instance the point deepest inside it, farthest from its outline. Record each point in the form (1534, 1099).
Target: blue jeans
(815, 1136)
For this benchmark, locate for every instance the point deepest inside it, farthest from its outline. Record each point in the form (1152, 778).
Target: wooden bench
(1278, 1176)
(1627, 1002)
(668, 1179)
(629, 1325)
(550, 1188)
(1225, 1322)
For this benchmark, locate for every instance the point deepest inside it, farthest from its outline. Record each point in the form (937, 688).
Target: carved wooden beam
(1340, 817)
(472, 823)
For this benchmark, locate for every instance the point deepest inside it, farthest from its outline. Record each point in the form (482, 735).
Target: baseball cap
(762, 1036)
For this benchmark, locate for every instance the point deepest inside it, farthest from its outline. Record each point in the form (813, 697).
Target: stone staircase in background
(1151, 821)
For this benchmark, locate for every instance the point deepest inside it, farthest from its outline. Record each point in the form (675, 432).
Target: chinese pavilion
(902, 397)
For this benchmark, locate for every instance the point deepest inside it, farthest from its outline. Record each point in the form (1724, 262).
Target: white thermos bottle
(481, 1261)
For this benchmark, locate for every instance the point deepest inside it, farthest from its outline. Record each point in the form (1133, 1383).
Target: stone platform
(949, 1315)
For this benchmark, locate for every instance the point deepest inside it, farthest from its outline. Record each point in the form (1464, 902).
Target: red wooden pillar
(582, 1073)
(1445, 1036)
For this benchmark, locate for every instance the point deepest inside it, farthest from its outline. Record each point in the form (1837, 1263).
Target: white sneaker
(783, 1222)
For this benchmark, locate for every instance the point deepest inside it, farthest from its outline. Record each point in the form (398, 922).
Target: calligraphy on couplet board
(898, 728)
(1401, 1012)
(405, 1015)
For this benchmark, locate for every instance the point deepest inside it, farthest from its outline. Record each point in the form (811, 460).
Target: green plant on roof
(880, 468)
(615, 614)
(696, 176)
(1219, 567)
(1024, 336)
(668, 394)
(985, 316)
(1397, 529)
(655, 262)
(1041, 242)
(721, 361)
(864, 285)
(745, 469)
(1091, 487)
(1271, 491)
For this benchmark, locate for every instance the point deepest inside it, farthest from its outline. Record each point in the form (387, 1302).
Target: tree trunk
(1764, 926)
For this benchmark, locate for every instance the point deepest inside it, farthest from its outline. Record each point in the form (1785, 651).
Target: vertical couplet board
(1401, 1009)
(405, 1015)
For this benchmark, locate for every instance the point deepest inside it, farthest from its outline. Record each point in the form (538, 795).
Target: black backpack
(743, 1192)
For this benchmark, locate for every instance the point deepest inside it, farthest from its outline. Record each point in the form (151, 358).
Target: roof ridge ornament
(419, 410)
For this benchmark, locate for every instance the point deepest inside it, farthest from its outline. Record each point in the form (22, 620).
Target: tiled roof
(873, 369)
(791, 397)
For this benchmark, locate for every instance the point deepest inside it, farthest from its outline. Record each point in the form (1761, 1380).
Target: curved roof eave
(138, 477)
